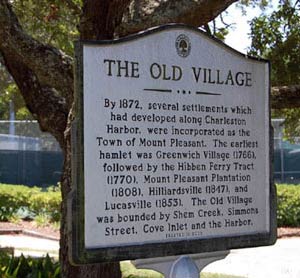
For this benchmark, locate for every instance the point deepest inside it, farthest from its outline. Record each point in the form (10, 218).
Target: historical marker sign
(173, 148)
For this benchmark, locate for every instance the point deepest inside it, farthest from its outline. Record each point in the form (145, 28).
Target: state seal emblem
(183, 45)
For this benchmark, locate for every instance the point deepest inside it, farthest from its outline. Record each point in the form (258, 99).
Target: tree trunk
(44, 77)
(98, 21)
(285, 97)
(111, 270)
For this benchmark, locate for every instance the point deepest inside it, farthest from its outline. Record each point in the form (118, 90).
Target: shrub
(288, 205)
(28, 202)
(12, 199)
(46, 203)
(26, 267)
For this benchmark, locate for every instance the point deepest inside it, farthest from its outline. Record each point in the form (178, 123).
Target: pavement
(30, 245)
(281, 260)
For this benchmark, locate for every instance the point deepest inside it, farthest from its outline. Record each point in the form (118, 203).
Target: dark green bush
(28, 202)
(47, 204)
(12, 199)
(288, 205)
(35, 201)
(26, 267)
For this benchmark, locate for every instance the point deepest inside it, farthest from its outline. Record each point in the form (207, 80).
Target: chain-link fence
(286, 155)
(27, 155)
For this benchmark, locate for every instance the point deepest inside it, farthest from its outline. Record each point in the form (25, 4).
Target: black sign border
(77, 252)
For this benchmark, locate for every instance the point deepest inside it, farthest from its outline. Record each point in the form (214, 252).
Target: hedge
(28, 202)
(32, 201)
(288, 205)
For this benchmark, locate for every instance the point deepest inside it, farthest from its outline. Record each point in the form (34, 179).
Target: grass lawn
(129, 271)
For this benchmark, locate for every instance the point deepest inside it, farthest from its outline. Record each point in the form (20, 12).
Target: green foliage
(44, 206)
(221, 33)
(29, 202)
(244, 5)
(23, 267)
(252, 3)
(5, 256)
(291, 122)
(288, 205)
(218, 275)
(221, 26)
(12, 199)
(277, 37)
(51, 22)
(129, 271)
(10, 93)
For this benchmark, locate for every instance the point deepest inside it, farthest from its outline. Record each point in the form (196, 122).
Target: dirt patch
(29, 226)
(284, 232)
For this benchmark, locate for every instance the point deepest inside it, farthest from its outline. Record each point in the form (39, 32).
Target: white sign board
(175, 141)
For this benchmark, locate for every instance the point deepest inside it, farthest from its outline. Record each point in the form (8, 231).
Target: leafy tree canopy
(221, 27)
(277, 37)
(51, 22)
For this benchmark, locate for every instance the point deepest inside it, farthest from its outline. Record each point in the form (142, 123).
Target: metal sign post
(187, 266)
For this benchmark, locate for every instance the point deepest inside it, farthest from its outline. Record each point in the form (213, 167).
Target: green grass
(129, 271)
(217, 275)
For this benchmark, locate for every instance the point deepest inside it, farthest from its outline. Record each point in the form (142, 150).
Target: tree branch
(100, 18)
(43, 74)
(52, 67)
(43, 102)
(144, 14)
(285, 97)
(207, 29)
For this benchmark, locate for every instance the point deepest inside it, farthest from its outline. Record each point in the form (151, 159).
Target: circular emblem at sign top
(183, 45)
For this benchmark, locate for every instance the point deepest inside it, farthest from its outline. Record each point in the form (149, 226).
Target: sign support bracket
(188, 266)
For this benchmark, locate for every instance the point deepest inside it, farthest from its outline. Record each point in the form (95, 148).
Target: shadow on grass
(129, 271)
